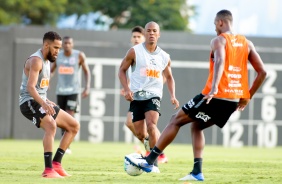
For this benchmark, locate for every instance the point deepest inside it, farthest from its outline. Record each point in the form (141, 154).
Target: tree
(169, 14)
(36, 12)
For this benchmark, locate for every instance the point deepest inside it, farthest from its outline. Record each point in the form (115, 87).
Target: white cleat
(147, 144)
(68, 151)
(193, 177)
(139, 162)
(155, 169)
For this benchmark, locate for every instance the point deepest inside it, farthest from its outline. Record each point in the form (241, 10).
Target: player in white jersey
(69, 62)
(137, 36)
(149, 62)
(43, 113)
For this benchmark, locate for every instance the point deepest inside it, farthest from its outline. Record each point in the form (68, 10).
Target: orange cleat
(59, 169)
(50, 173)
(162, 159)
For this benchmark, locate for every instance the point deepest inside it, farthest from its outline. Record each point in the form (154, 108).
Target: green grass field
(22, 162)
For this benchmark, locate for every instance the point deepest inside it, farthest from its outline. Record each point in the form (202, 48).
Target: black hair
(225, 15)
(51, 35)
(138, 29)
(67, 37)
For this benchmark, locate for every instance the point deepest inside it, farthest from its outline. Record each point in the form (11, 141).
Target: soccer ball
(131, 169)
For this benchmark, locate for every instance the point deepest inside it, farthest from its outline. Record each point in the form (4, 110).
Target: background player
(68, 63)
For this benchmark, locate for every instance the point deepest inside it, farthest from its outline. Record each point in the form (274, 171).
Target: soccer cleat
(146, 144)
(59, 169)
(193, 177)
(68, 151)
(155, 169)
(140, 163)
(162, 159)
(50, 173)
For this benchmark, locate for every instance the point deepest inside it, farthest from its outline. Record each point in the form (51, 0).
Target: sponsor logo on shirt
(66, 70)
(44, 83)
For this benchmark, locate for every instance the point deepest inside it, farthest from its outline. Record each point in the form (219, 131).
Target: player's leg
(198, 143)
(48, 124)
(70, 108)
(219, 112)
(169, 133)
(137, 109)
(129, 123)
(71, 127)
(34, 112)
(140, 129)
(179, 119)
(152, 118)
(153, 106)
(62, 102)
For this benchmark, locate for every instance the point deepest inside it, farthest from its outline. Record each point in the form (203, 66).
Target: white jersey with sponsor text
(147, 71)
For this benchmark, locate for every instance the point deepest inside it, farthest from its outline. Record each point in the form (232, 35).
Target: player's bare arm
(258, 66)
(32, 69)
(218, 50)
(86, 71)
(126, 62)
(170, 84)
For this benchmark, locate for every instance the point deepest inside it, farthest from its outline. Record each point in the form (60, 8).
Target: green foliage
(40, 12)
(22, 162)
(170, 14)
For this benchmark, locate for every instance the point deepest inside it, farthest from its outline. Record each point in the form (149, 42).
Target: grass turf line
(22, 162)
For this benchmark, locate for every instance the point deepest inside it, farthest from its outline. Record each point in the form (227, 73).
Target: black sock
(59, 155)
(197, 166)
(152, 157)
(48, 159)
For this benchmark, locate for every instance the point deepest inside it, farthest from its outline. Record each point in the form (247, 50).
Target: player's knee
(174, 121)
(49, 125)
(151, 128)
(140, 135)
(75, 128)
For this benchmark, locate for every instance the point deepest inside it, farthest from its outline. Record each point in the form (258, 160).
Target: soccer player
(148, 62)
(137, 37)
(43, 113)
(226, 91)
(68, 63)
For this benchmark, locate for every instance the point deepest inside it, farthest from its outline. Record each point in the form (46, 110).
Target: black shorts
(67, 102)
(34, 112)
(138, 108)
(217, 111)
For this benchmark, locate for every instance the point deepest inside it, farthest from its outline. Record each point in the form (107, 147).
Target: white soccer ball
(131, 169)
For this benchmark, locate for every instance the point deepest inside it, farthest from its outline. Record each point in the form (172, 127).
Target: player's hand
(242, 104)
(128, 95)
(211, 94)
(122, 92)
(51, 103)
(48, 108)
(175, 102)
(85, 93)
